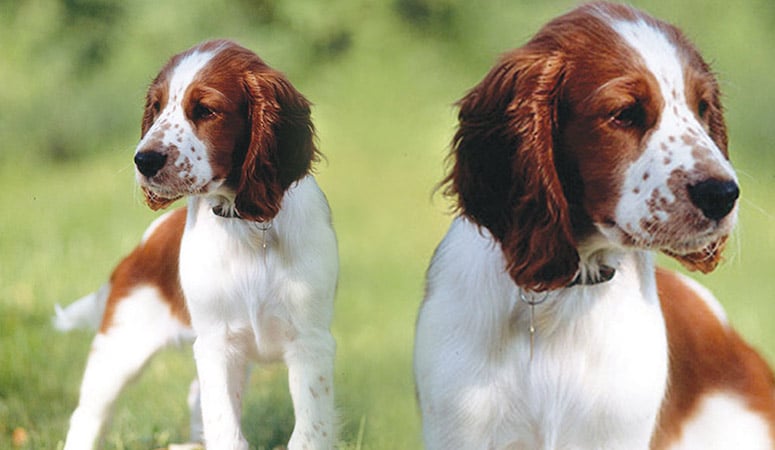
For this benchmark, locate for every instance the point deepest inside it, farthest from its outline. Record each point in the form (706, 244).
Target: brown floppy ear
(504, 168)
(281, 148)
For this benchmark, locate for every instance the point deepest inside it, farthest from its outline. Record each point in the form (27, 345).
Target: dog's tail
(86, 312)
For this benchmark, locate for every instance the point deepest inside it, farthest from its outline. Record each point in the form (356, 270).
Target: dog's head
(607, 123)
(218, 121)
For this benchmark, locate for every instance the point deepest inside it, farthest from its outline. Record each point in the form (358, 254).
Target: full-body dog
(545, 324)
(254, 254)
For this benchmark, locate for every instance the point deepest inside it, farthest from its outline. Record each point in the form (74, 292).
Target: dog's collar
(230, 212)
(604, 274)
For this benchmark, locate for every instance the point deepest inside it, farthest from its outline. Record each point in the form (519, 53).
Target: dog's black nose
(715, 198)
(150, 162)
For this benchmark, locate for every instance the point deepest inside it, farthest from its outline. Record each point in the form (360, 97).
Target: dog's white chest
(599, 359)
(598, 378)
(228, 283)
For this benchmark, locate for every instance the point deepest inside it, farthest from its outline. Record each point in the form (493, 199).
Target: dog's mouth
(159, 193)
(157, 200)
(156, 187)
(707, 247)
(672, 240)
(171, 191)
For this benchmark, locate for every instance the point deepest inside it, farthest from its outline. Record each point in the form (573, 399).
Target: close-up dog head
(608, 123)
(219, 121)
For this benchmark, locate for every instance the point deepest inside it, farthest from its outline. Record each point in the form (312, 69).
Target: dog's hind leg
(140, 326)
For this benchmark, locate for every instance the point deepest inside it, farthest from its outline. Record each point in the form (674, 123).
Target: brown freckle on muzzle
(649, 223)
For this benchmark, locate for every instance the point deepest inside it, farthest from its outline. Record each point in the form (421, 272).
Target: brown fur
(537, 159)
(262, 138)
(706, 356)
(153, 263)
(504, 173)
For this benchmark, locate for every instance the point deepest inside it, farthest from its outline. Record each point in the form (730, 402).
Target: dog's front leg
(310, 361)
(222, 374)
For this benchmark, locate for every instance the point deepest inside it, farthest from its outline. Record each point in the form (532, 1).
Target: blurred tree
(71, 71)
(93, 24)
(435, 16)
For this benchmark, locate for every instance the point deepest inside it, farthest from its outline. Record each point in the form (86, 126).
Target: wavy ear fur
(504, 171)
(281, 148)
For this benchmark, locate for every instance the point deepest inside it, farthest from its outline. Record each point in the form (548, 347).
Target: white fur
(253, 293)
(596, 373)
(672, 146)
(724, 422)
(172, 129)
(265, 302)
(599, 363)
(142, 324)
(86, 312)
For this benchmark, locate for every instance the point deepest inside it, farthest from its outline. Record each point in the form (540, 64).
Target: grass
(384, 120)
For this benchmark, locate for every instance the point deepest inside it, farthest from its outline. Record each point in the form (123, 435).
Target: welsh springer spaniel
(545, 324)
(254, 254)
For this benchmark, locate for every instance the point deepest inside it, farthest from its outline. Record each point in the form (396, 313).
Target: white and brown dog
(545, 323)
(254, 254)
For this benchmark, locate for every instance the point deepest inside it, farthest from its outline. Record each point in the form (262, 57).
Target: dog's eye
(632, 116)
(702, 108)
(155, 106)
(202, 112)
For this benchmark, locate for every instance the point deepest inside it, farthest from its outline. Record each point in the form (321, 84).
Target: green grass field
(383, 109)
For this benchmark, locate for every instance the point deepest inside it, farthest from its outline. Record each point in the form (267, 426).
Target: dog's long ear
(504, 171)
(281, 148)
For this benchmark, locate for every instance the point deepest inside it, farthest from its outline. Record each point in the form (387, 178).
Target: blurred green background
(383, 76)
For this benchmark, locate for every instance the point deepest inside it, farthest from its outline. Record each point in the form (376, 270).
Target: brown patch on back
(152, 263)
(706, 356)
